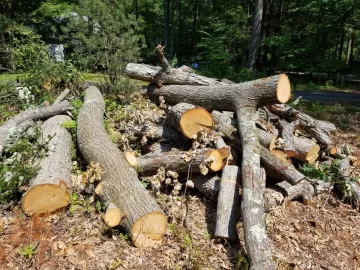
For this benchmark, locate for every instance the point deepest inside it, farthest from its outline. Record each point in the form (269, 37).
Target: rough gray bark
(176, 76)
(49, 190)
(215, 97)
(227, 204)
(255, 33)
(344, 173)
(179, 161)
(33, 114)
(320, 130)
(287, 134)
(120, 184)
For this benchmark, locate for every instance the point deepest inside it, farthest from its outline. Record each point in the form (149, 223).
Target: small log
(287, 134)
(62, 96)
(159, 52)
(344, 173)
(113, 216)
(320, 130)
(226, 151)
(180, 161)
(189, 119)
(177, 76)
(33, 115)
(49, 190)
(227, 204)
(144, 219)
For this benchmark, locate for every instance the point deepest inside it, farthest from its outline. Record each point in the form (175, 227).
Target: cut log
(33, 114)
(159, 52)
(180, 161)
(144, 219)
(344, 173)
(177, 76)
(113, 215)
(287, 134)
(227, 204)
(189, 119)
(320, 130)
(226, 151)
(306, 150)
(49, 190)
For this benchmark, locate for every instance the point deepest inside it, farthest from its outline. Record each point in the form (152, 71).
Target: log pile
(260, 140)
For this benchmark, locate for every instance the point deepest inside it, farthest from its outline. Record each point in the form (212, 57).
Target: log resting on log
(320, 130)
(176, 76)
(32, 114)
(274, 195)
(179, 161)
(50, 189)
(305, 148)
(189, 119)
(287, 134)
(243, 99)
(227, 203)
(62, 96)
(120, 185)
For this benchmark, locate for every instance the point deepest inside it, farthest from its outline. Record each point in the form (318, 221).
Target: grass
(324, 87)
(101, 78)
(344, 115)
(7, 77)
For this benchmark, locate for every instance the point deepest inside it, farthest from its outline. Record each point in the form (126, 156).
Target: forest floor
(321, 234)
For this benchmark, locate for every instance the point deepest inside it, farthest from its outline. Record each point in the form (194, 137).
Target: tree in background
(103, 35)
(255, 33)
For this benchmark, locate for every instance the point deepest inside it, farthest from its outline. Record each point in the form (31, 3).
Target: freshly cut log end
(313, 152)
(290, 153)
(281, 155)
(130, 157)
(332, 150)
(45, 198)
(98, 189)
(149, 229)
(215, 160)
(195, 120)
(312, 159)
(355, 163)
(283, 90)
(113, 216)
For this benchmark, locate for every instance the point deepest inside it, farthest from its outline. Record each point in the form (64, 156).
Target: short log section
(49, 190)
(120, 185)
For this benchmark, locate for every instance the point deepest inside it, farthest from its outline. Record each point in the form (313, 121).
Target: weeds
(28, 251)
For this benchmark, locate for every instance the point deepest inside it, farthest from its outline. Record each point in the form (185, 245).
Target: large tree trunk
(120, 185)
(176, 76)
(33, 114)
(50, 189)
(255, 33)
(243, 99)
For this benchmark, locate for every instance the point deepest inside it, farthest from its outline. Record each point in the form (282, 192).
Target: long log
(189, 119)
(144, 219)
(243, 99)
(179, 161)
(33, 115)
(227, 203)
(176, 76)
(50, 189)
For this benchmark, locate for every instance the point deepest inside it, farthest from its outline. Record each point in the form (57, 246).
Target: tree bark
(62, 96)
(33, 114)
(287, 134)
(344, 173)
(180, 161)
(120, 185)
(227, 204)
(255, 33)
(177, 76)
(50, 189)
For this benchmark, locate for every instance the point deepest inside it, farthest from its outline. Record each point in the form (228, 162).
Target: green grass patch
(102, 78)
(324, 87)
(8, 77)
(344, 115)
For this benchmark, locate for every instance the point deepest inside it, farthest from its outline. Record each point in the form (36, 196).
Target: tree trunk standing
(136, 5)
(144, 219)
(180, 33)
(255, 33)
(274, 53)
(342, 39)
(349, 46)
(194, 26)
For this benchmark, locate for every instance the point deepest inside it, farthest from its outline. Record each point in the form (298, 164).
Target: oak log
(144, 219)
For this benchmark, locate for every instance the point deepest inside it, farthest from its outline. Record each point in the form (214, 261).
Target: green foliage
(17, 163)
(103, 34)
(69, 125)
(328, 173)
(27, 251)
